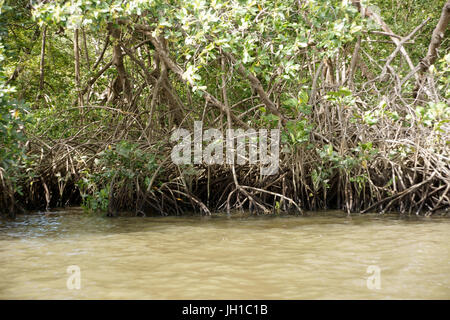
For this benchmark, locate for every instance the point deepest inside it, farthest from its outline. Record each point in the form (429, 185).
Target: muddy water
(325, 256)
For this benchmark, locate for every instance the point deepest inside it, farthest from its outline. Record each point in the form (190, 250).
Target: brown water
(325, 256)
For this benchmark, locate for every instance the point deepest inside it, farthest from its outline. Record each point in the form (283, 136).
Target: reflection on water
(324, 256)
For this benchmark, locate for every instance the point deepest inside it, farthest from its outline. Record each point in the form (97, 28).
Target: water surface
(324, 256)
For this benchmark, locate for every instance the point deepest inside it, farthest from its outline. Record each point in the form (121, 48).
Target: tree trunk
(430, 58)
(86, 52)
(42, 62)
(76, 51)
(124, 83)
(436, 38)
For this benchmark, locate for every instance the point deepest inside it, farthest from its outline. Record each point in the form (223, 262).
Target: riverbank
(387, 175)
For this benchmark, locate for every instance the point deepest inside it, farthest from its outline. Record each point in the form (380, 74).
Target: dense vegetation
(91, 91)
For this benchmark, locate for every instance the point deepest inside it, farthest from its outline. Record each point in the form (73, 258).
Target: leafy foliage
(311, 68)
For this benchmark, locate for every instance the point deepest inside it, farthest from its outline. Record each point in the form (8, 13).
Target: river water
(320, 256)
